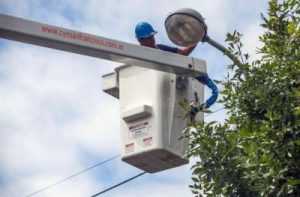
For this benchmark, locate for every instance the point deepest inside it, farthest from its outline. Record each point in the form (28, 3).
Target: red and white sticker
(129, 148)
(138, 130)
(147, 141)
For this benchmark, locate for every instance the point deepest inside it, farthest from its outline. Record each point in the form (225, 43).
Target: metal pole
(222, 49)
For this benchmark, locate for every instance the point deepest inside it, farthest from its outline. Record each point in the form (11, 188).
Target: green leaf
(195, 179)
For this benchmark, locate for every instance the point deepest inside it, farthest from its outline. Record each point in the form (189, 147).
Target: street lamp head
(186, 27)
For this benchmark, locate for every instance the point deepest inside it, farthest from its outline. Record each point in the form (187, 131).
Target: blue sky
(54, 118)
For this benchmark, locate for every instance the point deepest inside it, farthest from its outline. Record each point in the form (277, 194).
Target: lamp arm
(222, 49)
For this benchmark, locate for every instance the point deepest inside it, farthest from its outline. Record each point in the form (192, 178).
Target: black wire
(214, 112)
(121, 183)
(112, 187)
(98, 164)
(76, 174)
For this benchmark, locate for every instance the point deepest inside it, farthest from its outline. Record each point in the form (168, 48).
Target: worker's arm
(186, 50)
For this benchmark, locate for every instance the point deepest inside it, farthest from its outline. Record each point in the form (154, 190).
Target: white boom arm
(31, 32)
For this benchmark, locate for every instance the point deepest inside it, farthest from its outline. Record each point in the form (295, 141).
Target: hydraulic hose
(205, 80)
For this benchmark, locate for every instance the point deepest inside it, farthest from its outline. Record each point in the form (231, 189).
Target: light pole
(186, 27)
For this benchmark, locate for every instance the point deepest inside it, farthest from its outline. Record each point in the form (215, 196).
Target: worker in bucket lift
(144, 33)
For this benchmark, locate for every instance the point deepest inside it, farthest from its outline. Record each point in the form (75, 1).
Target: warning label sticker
(138, 130)
(129, 148)
(147, 141)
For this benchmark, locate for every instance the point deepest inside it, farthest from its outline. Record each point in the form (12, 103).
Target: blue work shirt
(167, 48)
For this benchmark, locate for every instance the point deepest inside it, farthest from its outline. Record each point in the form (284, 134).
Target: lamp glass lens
(184, 30)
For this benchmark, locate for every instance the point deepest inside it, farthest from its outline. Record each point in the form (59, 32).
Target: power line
(76, 174)
(214, 112)
(112, 187)
(96, 165)
(136, 176)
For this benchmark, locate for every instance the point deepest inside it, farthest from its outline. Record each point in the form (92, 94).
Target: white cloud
(52, 109)
(152, 189)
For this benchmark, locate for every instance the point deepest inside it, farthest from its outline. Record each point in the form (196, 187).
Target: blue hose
(211, 100)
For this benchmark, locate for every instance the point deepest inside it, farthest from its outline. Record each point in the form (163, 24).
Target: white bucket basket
(151, 118)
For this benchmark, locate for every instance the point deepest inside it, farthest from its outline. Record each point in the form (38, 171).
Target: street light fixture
(186, 27)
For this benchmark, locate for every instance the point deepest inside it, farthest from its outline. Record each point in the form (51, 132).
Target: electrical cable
(112, 187)
(196, 106)
(96, 165)
(136, 176)
(214, 112)
(69, 177)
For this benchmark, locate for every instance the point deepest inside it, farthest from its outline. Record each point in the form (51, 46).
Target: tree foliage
(256, 151)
